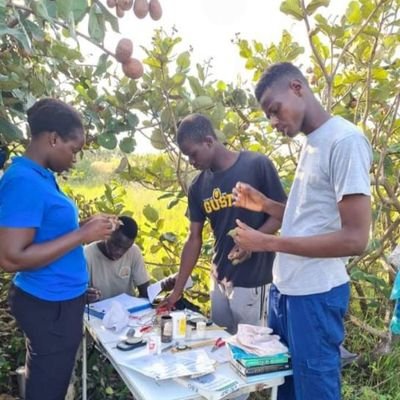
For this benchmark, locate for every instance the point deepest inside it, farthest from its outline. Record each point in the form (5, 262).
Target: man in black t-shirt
(239, 278)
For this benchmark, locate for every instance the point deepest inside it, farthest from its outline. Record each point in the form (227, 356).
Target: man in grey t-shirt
(117, 266)
(326, 219)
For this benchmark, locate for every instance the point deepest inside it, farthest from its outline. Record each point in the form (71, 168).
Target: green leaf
(239, 97)
(40, 9)
(107, 140)
(71, 25)
(218, 114)
(132, 119)
(202, 103)
(79, 9)
(380, 74)
(166, 119)
(96, 24)
(110, 18)
(183, 60)
(258, 47)
(127, 145)
(293, 8)
(353, 12)
(123, 165)
(221, 86)
(195, 86)
(152, 62)
(150, 213)
(315, 4)
(245, 50)
(200, 72)
(182, 108)
(7, 83)
(3, 13)
(35, 30)
(109, 390)
(63, 9)
(102, 64)
(165, 196)
(51, 8)
(18, 35)
(169, 237)
(179, 78)
(172, 203)
(229, 129)
(10, 131)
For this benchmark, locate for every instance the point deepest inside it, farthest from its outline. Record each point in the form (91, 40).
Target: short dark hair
(195, 127)
(275, 74)
(52, 115)
(129, 227)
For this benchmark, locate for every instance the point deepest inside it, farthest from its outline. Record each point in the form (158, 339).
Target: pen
(87, 305)
(169, 347)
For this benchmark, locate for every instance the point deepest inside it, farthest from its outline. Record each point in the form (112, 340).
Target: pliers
(145, 329)
(218, 343)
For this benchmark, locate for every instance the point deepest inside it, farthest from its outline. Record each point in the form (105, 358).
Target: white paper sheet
(155, 289)
(211, 386)
(128, 302)
(166, 366)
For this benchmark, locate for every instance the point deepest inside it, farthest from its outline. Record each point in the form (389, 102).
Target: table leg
(84, 366)
(274, 393)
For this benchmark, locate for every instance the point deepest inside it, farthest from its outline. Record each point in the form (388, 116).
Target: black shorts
(53, 331)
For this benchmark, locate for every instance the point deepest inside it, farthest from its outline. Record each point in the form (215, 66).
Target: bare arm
(189, 257)
(246, 196)
(19, 253)
(238, 255)
(351, 239)
(143, 289)
(271, 226)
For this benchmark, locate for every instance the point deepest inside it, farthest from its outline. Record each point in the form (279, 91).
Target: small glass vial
(154, 345)
(166, 329)
(201, 329)
(178, 325)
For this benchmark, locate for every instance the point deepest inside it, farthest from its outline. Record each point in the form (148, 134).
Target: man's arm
(350, 240)
(143, 289)
(238, 255)
(270, 226)
(189, 257)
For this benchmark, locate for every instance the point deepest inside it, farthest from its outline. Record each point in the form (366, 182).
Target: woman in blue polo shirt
(41, 241)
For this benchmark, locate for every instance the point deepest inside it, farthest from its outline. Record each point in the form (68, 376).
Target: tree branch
(28, 11)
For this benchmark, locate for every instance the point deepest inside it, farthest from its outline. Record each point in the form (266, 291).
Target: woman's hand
(92, 294)
(98, 227)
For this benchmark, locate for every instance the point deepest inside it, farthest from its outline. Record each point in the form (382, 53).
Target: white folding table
(145, 388)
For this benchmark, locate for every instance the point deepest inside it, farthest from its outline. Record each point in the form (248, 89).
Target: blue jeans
(312, 327)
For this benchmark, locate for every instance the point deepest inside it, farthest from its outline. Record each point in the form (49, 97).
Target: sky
(208, 26)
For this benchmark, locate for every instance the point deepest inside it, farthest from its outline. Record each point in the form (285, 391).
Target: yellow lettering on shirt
(218, 201)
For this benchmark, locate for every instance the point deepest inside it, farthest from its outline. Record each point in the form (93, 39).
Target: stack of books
(247, 364)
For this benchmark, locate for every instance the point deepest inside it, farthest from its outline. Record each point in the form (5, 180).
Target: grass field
(95, 170)
(136, 198)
